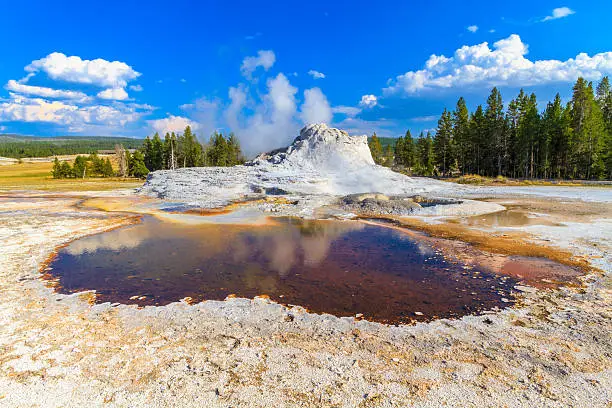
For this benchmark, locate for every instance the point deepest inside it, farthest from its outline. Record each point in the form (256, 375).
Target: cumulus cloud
(472, 28)
(45, 92)
(316, 74)
(23, 109)
(504, 65)
(264, 59)
(559, 12)
(74, 110)
(368, 101)
(117, 94)
(172, 123)
(136, 88)
(315, 108)
(98, 72)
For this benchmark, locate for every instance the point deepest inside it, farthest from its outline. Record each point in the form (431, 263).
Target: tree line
(20, 146)
(572, 140)
(84, 166)
(184, 150)
(175, 151)
(129, 165)
(414, 155)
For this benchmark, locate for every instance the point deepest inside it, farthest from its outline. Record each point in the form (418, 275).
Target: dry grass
(37, 176)
(503, 181)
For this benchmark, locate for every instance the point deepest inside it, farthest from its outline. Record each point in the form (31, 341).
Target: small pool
(343, 268)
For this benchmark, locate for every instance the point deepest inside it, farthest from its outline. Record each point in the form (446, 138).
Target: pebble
(526, 289)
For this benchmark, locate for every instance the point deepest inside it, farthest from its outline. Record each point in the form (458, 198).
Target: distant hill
(18, 146)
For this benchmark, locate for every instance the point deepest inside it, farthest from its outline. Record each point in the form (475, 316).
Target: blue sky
(263, 69)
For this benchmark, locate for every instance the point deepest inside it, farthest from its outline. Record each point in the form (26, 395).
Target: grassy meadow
(37, 176)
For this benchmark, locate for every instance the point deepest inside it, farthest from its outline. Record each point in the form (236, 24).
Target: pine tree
(107, 168)
(399, 148)
(443, 143)
(57, 169)
(66, 170)
(425, 154)
(527, 135)
(389, 156)
(513, 118)
(376, 149)
(192, 149)
(137, 165)
(148, 152)
(477, 136)
(157, 154)
(79, 168)
(495, 153)
(461, 133)
(405, 151)
(588, 139)
(556, 139)
(604, 100)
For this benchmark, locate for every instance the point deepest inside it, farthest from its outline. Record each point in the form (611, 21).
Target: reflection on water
(343, 268)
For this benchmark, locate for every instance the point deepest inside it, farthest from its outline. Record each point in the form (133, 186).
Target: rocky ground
(58, 350)
(551, 349)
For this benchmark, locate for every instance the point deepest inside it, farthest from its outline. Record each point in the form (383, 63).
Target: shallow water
(338, 267)
(506, 218)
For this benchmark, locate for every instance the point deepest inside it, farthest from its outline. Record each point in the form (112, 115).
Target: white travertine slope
(322, 163)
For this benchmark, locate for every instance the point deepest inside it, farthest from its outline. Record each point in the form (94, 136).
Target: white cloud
(559, 12)
(264, 59)
(273, 123)
(492, 30)
(183, 80)
(504, 65)
(316, 74)
(16, 86)
(136, 88)
(472, 28)
(98, 72)
(315, 108)
(350, 111)
(22, 109)
(368, 101)
(117, 94)
(172, 123)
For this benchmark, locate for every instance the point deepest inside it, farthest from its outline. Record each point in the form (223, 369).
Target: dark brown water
(342, 268)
